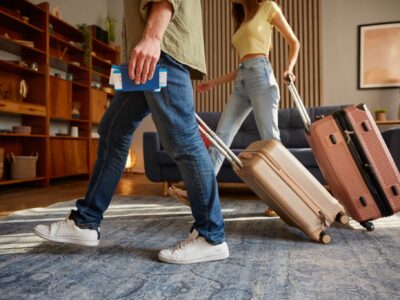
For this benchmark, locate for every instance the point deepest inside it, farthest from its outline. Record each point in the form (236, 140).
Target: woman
(255, 84)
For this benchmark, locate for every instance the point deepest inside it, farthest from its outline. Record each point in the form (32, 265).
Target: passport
(119, 77)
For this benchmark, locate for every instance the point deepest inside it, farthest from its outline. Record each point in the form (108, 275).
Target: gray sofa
(159, 166)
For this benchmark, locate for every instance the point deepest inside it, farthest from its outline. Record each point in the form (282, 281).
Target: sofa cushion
(305, 155)
(164, 159)
(247, 134)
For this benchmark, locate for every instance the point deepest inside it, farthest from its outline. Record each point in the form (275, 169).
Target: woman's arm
(205, 86)
(224, 78)
(284, 28)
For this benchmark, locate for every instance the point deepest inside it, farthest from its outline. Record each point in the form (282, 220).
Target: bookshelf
(49, 55)
(23, 28)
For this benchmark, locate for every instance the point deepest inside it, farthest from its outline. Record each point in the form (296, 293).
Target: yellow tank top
(255, 35)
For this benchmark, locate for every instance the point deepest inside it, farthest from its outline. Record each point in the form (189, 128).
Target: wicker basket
(1, 162)
(23, 167)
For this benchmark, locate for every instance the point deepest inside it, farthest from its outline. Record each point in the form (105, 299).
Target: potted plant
(84, 28)
(110, 28)
(380, 114)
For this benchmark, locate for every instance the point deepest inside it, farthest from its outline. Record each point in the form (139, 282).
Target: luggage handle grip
(299, 103)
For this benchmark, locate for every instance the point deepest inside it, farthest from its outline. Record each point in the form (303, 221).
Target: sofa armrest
(151, 146)
(392, 140)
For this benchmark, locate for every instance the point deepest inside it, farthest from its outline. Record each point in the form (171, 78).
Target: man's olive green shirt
(183, 39)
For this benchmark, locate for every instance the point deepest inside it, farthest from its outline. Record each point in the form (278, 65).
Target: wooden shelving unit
(23, 25)
(388, 122)
(58, 48)
(68, 155)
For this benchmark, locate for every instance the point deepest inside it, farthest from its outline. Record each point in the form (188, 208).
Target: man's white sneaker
(194, 249)
(67, 232)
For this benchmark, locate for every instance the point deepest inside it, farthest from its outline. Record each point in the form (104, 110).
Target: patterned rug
(268, 259)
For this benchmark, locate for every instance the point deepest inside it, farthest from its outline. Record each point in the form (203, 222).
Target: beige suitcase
(279, 179)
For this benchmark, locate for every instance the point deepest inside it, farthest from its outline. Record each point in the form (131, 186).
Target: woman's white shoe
(194, 249)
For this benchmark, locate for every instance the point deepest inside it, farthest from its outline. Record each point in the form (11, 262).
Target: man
(168, 32)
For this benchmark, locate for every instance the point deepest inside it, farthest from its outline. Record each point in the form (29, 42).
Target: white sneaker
(194, 249)
(67, 232)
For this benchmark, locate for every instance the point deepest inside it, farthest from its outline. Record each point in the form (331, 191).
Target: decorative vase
(380, 116)
(75, 110)
(110, 28)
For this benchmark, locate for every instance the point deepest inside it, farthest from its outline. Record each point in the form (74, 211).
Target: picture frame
(379, 55)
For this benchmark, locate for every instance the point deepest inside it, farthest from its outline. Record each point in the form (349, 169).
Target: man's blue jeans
(172, 110)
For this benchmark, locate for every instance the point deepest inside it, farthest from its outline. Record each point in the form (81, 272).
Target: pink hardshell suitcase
(354, 160)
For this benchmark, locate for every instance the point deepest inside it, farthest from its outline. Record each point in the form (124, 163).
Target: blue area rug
(269, 260)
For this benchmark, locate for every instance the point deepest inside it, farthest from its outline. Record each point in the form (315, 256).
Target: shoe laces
(57, 224)
(181, 244)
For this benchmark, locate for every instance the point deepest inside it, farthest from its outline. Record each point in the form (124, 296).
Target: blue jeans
(255, 89)
(172, 110)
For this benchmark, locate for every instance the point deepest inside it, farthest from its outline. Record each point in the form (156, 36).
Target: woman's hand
(204, 86)
(289, 74)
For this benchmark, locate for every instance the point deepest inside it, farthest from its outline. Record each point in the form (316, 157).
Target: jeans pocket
(267, 70)
(270, 75)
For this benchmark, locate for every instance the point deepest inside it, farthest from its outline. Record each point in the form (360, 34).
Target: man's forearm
(147, 52)
(160, 14)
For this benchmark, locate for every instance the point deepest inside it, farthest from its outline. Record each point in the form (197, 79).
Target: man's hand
(146, 54)
(144, 58)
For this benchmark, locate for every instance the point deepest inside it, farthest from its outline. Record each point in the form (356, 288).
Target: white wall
(115, 10)
(80, 11)
(340, 19)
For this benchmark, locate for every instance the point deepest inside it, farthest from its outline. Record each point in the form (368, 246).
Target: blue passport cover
(129, 85)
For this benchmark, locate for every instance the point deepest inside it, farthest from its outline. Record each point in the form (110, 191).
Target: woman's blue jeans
(172, 110)
(255, 89)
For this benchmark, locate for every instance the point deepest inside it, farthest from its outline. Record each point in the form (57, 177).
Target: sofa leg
(166, 185)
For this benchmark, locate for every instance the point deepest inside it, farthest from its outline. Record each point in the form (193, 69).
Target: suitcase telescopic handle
(218, 143)
(299, 103)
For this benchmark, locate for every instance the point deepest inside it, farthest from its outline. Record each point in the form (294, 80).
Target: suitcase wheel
(325, 238)
(342, 218)
(368, 225)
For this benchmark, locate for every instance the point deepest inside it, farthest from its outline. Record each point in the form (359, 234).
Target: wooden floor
(19, 198)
